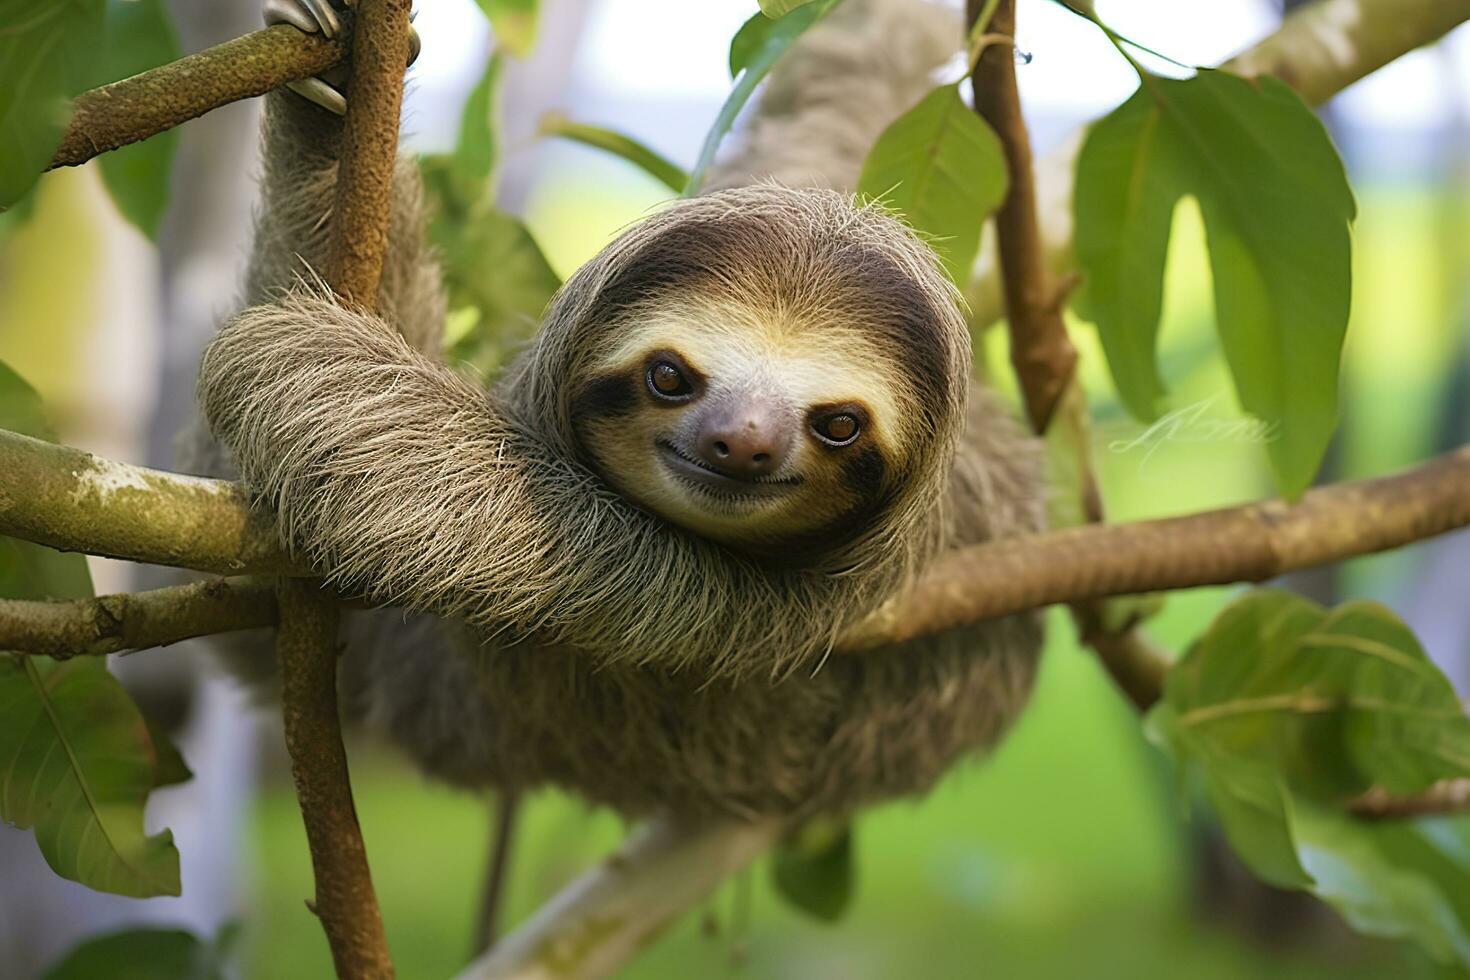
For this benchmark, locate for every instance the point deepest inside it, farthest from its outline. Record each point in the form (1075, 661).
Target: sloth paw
(324, 16)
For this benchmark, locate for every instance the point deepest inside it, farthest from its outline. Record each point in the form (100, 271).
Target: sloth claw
(321, 16)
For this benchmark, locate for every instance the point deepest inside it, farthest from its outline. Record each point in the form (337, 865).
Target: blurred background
(1070, 852)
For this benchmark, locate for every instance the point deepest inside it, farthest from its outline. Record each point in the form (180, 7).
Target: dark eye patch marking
(605, 396)
(864, 473)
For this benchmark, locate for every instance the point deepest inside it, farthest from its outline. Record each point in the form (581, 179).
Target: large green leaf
(514, 24)
(1286, 711)
(46, 57)
(145, 954)
(943, 167)
(139, 36)
(813, 870)
(780, 8)
(648, 160)
(1277, 211)
(77, 758)
(761, 48)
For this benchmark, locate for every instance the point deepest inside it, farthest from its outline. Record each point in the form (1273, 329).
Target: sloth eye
(668, 382)
(838, 429)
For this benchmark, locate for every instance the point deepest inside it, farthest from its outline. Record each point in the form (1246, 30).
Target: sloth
(744, 424)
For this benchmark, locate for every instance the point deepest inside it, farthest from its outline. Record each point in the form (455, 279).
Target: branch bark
(1446, 797)
(306, 643)
(135, 621)
(145, 105)
(1250, 543)
(602, 919)
(74, 501)
(1041, 352)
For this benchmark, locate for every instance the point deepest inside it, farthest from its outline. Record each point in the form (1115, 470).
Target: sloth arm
(403, 482)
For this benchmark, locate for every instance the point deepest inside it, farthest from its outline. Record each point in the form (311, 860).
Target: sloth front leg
(324, 16)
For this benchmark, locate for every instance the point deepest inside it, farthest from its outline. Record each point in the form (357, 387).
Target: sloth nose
(749, 440)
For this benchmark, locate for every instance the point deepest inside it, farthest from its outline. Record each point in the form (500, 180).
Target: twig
(134, 621)
(74, 501)
(1041, 352)
(497, 868)
(601, 920)
(145, 105)
(1450, 796)
(306, 644)
(380, 47)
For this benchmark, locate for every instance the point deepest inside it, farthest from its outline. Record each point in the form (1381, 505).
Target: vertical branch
(1043, 356)
(306, 643)
(1041, 353)
(497, 871)
(380, 46)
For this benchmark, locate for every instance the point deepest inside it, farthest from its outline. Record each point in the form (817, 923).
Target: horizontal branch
(144, 105)
(1250, 543)
(1319, 50)
(73, 501)
(603, 918)
(136, 620)
(1445, 797)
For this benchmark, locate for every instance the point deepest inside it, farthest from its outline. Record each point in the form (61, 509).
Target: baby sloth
(743, 425)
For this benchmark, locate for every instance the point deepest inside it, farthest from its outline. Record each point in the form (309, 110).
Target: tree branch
(380, 48)
(135, 621)
(74, 501)
(306, 645)
(145, 105)
(1319, 50)
(1041, 352)
(1250, 543)
(1447, 797)
(605, 917)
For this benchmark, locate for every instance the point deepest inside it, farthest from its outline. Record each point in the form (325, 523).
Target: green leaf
(1286, 711)
(139, 36)
(775, 9)
(1278, 213)
(474, 154)
(514, 24)
(494, 267)
(757, 61)
(650, 161)
(814, 870)
(46, 57)
(77, 759)
(943, 167)
(142, 954)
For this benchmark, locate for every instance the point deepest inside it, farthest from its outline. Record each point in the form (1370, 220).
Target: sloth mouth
(701, 476)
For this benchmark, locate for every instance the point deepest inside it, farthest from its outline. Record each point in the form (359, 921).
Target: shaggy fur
(559, 633)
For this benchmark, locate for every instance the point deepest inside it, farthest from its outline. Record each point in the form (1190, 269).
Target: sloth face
(770, 434)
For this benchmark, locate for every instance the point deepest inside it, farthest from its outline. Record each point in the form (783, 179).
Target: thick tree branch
(602, 920)
(1250, 543)
(1319, 50)
(145, 105)
(74, 501)
(137, 620)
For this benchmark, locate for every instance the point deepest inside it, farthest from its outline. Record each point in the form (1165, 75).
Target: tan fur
(585, 641)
